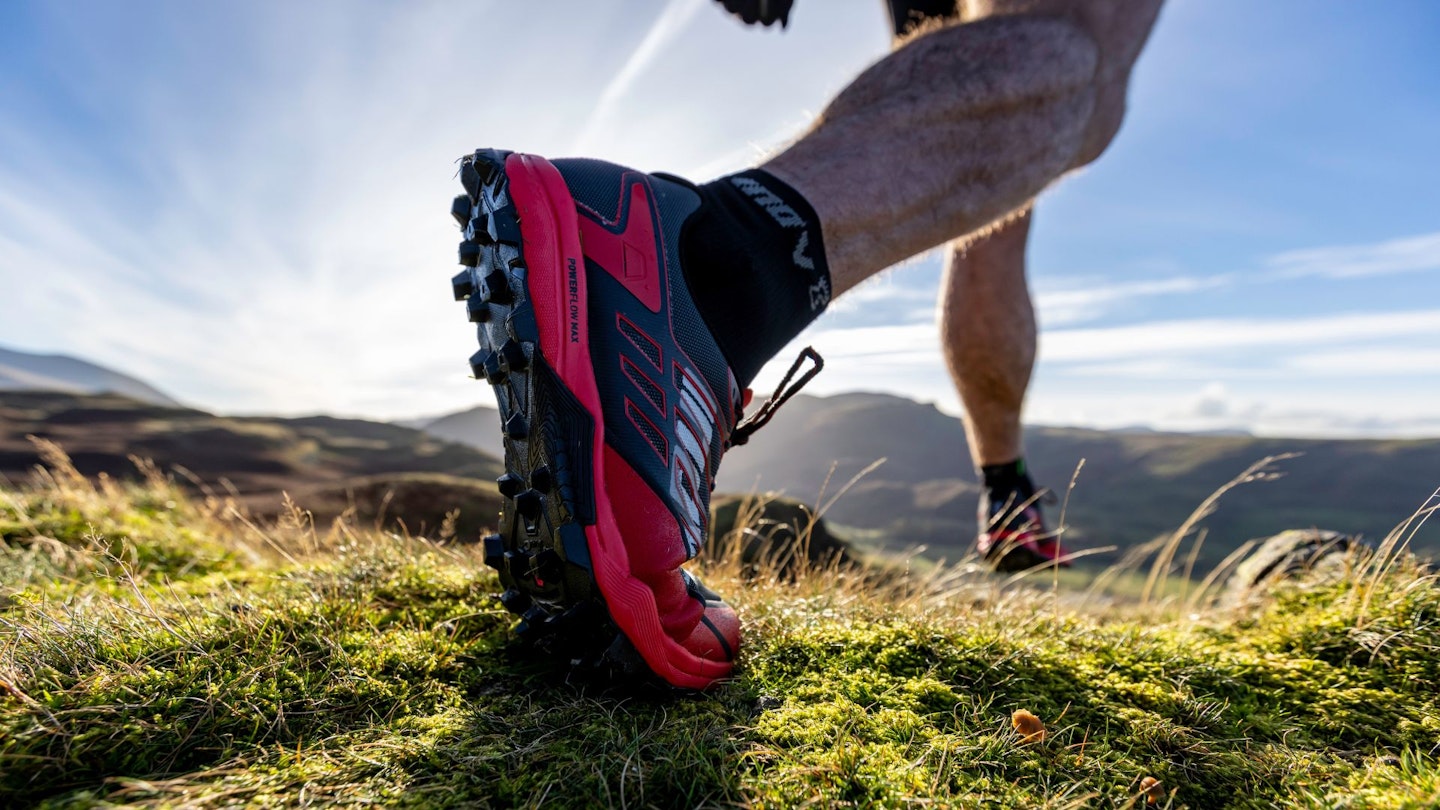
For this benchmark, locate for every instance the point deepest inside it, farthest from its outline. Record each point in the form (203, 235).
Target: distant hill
(1134, 486)
(477, 427)
(328, 464)
(23, 371)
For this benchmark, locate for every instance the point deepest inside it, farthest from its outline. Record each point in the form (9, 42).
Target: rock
(1298, 554)
(775, 533)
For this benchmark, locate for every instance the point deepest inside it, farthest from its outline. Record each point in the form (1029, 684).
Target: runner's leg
(961, 126)
(987, 329)
(987, 323)
(987, 320)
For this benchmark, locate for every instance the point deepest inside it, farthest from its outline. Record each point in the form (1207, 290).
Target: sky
(246, 204)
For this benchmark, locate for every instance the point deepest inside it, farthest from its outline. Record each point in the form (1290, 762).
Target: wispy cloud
(1216, 407)
(270, 231)
(1085, 300)
(1149, 347)
(1168, 338)
(286, 251)
(1412, 254)
(1068, 301)
(1393, 360)
(662, 33)
(1276, 376)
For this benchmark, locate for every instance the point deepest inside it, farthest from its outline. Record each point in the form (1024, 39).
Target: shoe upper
(668, 397)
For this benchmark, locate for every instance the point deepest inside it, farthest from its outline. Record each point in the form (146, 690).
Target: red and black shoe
(616, 406)
(1013, 536)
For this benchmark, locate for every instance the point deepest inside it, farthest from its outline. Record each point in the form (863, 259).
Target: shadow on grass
(531, 739)
(493, 725)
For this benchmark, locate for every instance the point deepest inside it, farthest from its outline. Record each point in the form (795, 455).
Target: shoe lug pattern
(462, 209)
(516, 427)
(528, 504)
(469, 253)
(495, 287)
(512, 357)
(510, 485)
(463, 285)
(541, 552)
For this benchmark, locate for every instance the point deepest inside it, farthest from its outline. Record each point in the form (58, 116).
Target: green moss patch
(155, 653)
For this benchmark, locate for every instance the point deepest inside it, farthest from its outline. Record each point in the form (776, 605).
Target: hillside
(23, 371)
(330, 464)
(1133, 486)
(478, 427)
(161, 652)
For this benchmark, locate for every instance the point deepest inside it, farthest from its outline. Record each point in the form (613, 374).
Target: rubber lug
(463, 284)
(469, 253)
(515, 427)
(462, 209)
(510, 485)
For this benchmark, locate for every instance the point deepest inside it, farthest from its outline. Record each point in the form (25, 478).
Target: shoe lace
(747, 427)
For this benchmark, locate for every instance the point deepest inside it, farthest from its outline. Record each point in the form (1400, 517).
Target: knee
(1105, 121)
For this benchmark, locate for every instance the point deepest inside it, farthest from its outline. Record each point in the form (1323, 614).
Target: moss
(361, 669)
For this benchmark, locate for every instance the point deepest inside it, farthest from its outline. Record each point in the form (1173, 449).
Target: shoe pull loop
(747, 428)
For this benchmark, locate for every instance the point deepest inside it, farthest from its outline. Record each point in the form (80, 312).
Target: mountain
(56, 372)
(1133, 486)
(380, 471)
(477, 427)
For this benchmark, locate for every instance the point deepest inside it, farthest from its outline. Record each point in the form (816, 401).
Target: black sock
(1004, 480)
(755, 262)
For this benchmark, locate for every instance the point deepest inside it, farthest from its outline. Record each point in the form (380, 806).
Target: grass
(159, 651)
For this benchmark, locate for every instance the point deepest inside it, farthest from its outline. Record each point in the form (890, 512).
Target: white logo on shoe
(690, 458)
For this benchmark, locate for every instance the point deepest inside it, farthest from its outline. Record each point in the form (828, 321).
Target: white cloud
(1395, 360)
(1307, 409)
(1082, 301)
(1213, 401)
(1408, 255)
(1176, 349)
(275, 236)
(1168, 338)
(1268, 376)
(1178, 369)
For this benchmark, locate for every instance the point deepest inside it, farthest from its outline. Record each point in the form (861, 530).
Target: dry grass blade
(1261, 470)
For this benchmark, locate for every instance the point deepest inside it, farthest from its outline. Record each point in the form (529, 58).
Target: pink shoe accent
(630, 257)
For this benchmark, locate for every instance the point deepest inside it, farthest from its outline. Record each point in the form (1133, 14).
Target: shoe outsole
(564, 575)
(540, 550)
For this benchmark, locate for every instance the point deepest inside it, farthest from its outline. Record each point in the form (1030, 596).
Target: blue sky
(246, 204)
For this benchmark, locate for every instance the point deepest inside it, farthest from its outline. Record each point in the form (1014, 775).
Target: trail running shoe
(616, 406)
(1013, 536)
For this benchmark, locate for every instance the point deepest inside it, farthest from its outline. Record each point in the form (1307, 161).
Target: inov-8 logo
(787, 218)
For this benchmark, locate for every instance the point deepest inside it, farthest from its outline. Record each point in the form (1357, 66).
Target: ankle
(1009, 478)
(755, 262)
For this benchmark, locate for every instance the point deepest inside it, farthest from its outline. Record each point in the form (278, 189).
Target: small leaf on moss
(1028, 726)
